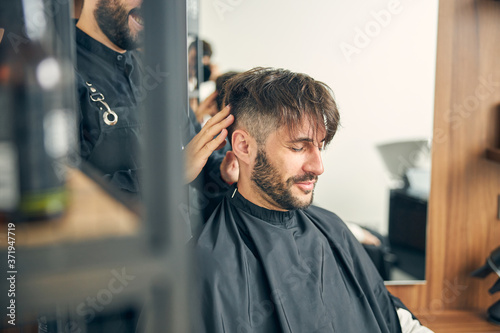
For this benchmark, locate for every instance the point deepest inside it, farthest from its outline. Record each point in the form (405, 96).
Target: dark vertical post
(166, 57)
(165, 114)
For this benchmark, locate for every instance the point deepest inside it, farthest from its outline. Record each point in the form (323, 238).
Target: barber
(110, 89)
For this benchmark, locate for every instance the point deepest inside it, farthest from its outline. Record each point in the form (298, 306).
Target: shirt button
(119, 57)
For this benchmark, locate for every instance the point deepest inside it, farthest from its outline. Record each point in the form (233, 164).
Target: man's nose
(314, 163)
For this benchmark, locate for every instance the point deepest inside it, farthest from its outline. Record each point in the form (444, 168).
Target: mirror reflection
(379, 59)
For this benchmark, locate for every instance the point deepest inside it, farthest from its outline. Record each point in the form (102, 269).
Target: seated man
(268, 262)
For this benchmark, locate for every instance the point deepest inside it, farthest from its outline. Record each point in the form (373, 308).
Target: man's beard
(112, 18)
(268, 179)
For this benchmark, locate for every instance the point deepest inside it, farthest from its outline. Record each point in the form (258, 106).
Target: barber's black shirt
(112, 149)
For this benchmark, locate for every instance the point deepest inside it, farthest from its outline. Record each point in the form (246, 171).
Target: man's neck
(88, 24)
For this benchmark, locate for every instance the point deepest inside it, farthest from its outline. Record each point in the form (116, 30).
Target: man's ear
(242, 145)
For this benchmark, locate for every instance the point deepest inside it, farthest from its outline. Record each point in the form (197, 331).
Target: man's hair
(207, 48)
(220, 84)
(264, 100)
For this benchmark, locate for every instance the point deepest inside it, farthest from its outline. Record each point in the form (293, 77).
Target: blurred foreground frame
(72, 285)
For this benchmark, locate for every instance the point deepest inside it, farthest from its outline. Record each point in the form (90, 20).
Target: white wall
(383, 84)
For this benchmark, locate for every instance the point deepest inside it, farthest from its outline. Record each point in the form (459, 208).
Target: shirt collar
(99, 49)
(274, 217)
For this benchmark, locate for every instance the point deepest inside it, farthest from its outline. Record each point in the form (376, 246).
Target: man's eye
(298, 149)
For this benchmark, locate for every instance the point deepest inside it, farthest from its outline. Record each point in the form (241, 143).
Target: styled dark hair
(263, 100)
(220, 83)
(207, 48)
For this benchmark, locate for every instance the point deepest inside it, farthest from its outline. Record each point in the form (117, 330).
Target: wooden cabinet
(462, 220)
(493, 154)
(456, 321)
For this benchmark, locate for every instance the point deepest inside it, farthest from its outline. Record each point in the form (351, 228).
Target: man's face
(286, 168)
(121, 21)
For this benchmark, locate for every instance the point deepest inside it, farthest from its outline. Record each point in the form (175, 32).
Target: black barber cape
(299, 271)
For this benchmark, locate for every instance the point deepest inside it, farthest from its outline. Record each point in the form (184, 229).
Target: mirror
(379, 59)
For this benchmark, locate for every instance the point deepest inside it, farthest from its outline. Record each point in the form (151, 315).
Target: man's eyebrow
(297, 140)
(304, 139)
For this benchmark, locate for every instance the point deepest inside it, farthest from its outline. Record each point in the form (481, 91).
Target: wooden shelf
(456, 321)
(92, 214)
(493, 154)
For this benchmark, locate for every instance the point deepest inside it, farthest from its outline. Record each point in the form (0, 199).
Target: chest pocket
(119, 137)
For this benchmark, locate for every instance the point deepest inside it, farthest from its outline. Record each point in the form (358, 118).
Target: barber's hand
(204, 144)
(230, 168)
(207, 107)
